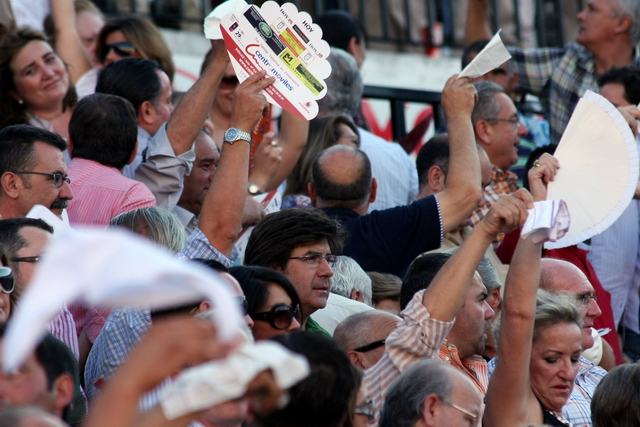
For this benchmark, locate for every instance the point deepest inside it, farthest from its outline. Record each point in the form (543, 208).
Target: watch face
(231, 134)
(254, 189)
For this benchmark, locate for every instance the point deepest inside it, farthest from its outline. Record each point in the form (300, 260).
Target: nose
(482, 202)
(324, 270)
(488, 311)
(295, 325)
(65, 192)
(111, 56)
(249, 321)
(567, 371)
(580, 16)
(522, 129)
(594, 309)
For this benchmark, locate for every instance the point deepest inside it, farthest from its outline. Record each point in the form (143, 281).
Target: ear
(623, 25)
(430, 410)
(312, 194)
(133, 153)
(352, 46)
(356, 295)
(354, 357)
(147, 113)
(496, 298)
(436, 179)
(205, 306)
(11, 184)
(63, 390)
(70, 147)
(374, 190)
(483, 132)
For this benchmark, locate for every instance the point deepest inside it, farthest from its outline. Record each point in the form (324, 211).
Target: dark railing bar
(516, 17)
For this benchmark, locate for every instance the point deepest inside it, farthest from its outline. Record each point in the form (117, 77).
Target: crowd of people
(403, 283)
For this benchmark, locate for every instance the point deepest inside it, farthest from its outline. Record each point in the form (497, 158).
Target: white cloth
(393, 169)
(143, 141)
(338, 308)
(86, 84)
(614, 256)
(30, 13)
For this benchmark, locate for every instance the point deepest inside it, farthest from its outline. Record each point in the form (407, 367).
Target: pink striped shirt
(64, 328)
(417, 337)
(102, 192)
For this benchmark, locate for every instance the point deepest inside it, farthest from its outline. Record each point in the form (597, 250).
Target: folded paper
(218, 381)
(549, 220)
(491, 57)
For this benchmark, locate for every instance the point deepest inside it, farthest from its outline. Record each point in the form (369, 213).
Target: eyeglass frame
(269, 316)
(329, 258)
(370, 346)
(27, 259)
(585, 299)
(474, 417)
(515, 121)
(3, 277)
(63, 178)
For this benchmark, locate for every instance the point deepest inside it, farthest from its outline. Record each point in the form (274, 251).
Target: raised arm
(221, 215)
(510, 400)
(477, 27)
(463, 190)
(68, 43)
(188, 118)
(294, 132)
(446, 294)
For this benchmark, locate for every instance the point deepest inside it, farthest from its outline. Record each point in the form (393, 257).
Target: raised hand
(541, 174)
(248, 103)
(507, 214)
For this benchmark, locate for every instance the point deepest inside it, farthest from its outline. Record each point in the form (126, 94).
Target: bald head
(341, 178)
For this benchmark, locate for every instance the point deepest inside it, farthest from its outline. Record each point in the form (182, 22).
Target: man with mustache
(32, 171)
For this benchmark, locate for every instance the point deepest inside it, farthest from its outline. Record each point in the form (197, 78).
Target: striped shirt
(474, 367)
(417, 337)
(559, 76)
(64, 328)
(102, 192)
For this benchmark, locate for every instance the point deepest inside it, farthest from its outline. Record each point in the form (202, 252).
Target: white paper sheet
(491, 57)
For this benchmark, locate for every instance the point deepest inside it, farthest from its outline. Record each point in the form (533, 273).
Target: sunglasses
(229, 82)
(124, 49)
(280, 316)
(370, 346)
(7, 284)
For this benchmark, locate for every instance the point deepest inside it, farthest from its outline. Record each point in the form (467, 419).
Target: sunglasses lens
(123, 49)
(7, 284)
(282, 317)
(229, 82)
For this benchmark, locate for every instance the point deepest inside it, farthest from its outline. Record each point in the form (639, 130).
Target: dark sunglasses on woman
(280, 316)
(7, 283)
(123, 49)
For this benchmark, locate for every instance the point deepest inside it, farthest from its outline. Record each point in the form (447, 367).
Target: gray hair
(631, 8)
(157, 224)
(347, 276)
(551, 310)
(344, 85)
(487, 106)
(489, 276)
(404, 403)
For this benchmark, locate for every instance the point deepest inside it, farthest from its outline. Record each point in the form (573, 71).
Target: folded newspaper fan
(598, 169)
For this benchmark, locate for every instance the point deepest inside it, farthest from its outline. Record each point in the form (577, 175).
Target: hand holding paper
(491, 57)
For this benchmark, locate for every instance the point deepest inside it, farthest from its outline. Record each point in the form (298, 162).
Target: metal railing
(396, 23)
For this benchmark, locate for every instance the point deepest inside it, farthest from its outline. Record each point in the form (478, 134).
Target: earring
(20, 101)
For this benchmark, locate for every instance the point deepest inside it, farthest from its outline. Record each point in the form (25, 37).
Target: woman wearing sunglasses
(272, 301)
(7, 287)
(133, 37)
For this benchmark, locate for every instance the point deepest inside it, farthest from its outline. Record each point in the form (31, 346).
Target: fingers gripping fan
(598, 171)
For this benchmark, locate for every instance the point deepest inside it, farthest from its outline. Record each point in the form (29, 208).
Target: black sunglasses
(280, 316)
(229, 82)
(124, 49)
(370, 346)
(7, 283)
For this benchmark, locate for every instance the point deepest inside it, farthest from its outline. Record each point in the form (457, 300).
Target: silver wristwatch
(232, 135)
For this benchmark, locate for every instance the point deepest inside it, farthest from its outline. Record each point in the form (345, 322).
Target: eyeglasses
(7, 283)
(124, 49)
(366, 409)
(58, 178)
(353, 138)
(515, 121)
(370, 346)
(229, 82)
(242, 302)
(280, 316)
(314, 259)
(585, 299)
(473, 416)
(27, 259)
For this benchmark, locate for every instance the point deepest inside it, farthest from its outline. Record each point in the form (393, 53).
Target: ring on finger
(536, 163)
(274, 143)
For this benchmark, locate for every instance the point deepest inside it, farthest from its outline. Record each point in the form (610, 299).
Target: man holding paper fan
(609, 31)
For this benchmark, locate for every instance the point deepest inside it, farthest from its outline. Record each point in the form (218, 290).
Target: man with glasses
(498, 130)
(432, 394)
(302, 244)
(32, 171)
(25, 239)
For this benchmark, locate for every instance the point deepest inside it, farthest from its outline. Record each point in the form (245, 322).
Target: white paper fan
(598, 171)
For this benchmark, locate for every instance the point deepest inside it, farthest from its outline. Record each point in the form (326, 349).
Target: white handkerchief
(549, 220)
(491, 57)
(212, 21)
(219, 381)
